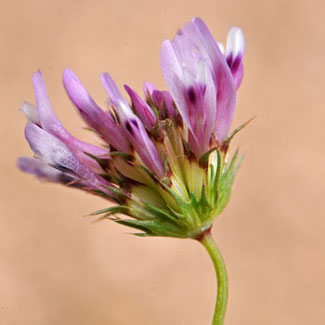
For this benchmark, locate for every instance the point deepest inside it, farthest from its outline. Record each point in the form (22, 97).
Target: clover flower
(164, 159)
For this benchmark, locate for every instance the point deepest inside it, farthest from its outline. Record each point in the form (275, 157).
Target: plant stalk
(222, 281)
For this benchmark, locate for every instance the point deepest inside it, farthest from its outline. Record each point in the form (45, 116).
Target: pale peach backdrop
(57, 267)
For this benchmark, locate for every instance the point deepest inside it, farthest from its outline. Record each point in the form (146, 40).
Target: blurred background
(58, 267)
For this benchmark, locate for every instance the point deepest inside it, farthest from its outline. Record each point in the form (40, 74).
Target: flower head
(164, 159)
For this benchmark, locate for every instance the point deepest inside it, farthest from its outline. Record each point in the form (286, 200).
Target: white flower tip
(124, 111)
(188, 80)
(30, 111)
(235, 42)
(202, 73)
(221, 47)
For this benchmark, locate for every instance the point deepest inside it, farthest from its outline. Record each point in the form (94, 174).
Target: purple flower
(203, 81)
(164, 159)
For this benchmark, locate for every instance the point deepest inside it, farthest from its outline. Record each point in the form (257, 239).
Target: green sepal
(105, 195)
(166, 165)
(188, 151)
(123, 155)
(143, 234)
(164, 215)
(226, 182)
(112, 179)
(119, 193)
(194, 212)
(104, 163)
(153, 228)
(219, 168)
(133, 224)
(203, 161)
(146, 171)
(202, 206)
(226, 143)
(111, 210)
(216, 178)
(183, 205)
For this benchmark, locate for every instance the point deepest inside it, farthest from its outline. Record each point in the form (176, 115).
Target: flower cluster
(164, 163)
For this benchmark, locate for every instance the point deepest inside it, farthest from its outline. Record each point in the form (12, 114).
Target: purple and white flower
(203, 81)
(163, 160)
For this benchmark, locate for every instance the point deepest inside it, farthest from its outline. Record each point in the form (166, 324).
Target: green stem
(221, 273)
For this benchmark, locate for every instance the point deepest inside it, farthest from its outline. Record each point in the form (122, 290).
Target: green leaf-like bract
(182, 216)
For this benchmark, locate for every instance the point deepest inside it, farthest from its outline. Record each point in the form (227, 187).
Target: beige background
(57, 267)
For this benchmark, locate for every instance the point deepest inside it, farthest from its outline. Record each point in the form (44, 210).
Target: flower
(164, 162)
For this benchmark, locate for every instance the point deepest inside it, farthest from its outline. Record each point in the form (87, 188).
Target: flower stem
(222, 281)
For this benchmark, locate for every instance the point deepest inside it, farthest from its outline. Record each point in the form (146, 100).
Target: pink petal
(226, 92)
(134, 129)
(94, 116)
(173, 75)
(143, 110)
(112, 90)
(55, 153)
(144, 147)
